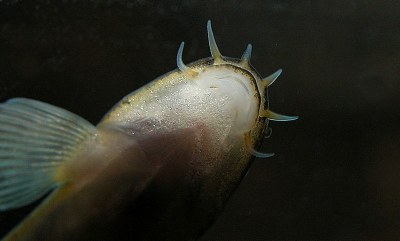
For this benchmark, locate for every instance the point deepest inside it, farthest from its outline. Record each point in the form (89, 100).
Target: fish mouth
(237, 80)
(237, 90)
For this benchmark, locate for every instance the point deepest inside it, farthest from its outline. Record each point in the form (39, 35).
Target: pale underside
(159, 166)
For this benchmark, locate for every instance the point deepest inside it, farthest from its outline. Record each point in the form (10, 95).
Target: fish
(160, 165)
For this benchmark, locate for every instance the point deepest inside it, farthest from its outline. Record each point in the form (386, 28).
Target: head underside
(226, 94)
(244, 68)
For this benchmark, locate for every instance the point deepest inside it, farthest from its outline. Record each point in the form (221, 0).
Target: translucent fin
(217, 56)
(278, 117)
(245, 60)
(250, 148)
(35, 138)
(181, 66)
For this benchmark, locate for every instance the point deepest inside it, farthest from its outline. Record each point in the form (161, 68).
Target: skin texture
(163, 162)
(102, 208)
(148, 191)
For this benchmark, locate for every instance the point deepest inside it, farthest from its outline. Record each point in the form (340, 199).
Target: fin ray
(42, 135)
(35, 139)
(14, 124)
(5, 193)
(52, 112)
(24, 114)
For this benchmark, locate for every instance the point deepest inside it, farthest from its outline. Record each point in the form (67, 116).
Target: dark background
(335, 175)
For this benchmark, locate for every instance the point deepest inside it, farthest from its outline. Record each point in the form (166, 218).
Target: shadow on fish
(160, 165)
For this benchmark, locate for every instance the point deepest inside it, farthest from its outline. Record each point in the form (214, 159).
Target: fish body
(160, 165)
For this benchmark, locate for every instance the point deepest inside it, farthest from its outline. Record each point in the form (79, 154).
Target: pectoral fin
(35, 140)
(104, 203)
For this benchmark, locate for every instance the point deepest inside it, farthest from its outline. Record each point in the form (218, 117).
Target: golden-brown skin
(163, 162)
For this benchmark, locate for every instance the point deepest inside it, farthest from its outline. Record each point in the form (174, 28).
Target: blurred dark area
(335, 173)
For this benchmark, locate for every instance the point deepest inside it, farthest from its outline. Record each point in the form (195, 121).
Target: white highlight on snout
(239, 92)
